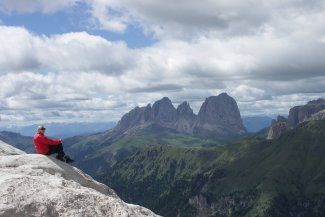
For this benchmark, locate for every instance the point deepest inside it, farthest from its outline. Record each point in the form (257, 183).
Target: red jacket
(42, 143)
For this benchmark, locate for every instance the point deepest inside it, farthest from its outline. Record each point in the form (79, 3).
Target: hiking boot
(60, 158)
(67, 159)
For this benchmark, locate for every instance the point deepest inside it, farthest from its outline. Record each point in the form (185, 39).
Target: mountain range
(218, 115)
(297, 115)
(250, 177)
(254, 177)
(217, 123)
(62, 130)
(178, 163)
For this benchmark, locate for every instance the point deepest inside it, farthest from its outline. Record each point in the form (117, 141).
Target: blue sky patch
(74, 20)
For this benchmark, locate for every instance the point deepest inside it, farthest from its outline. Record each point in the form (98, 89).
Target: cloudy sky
(94, 60)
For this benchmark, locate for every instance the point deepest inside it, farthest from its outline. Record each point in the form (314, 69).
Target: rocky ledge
(38, 185)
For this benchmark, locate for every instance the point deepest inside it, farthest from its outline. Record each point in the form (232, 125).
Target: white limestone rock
(38, 185)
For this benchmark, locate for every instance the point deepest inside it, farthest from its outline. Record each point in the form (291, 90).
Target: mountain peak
(165, 98)
(164, 112)
(185, 103)
(313, 110)
(186, 118)
(163, 101)
(184, 109)
(221, 96)
(136, 117)
(301, 113)
(224, 94)
(319, 101)
(219, 114)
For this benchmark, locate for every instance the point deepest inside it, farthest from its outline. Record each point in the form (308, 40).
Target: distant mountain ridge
(24, 143)
(313, 110)
(62, 130)
(217, 123)
(256, 123)
(298, 114)
(253, 177)
(218, 115)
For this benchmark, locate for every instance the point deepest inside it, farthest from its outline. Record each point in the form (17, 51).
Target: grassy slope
(284, 177)
(98, 151)
(292, 165)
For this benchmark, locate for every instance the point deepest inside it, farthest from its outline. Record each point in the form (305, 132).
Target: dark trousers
(56, 149)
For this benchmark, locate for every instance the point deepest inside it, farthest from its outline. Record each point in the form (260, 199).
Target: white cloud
(93, 78)
(31, 6)
(188, 19)
(22, 51)
(268, 57)
(107, 15)
(28, 96)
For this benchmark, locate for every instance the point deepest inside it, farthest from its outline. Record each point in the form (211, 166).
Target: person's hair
(40, 129)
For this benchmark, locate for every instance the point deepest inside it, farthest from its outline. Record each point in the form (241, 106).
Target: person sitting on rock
(46, 146)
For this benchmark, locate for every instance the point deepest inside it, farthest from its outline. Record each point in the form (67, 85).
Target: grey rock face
(277, 129)
(164, 112)
(184, 110)
(299, 114)
(223, 206)
(313, 110)
(219, 114)
(186, 118)
(202, 206)
(281, 119)
(318, 116)
(136, 117)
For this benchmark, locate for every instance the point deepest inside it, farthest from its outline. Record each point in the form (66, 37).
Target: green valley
(95, 152)
(253, 177)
